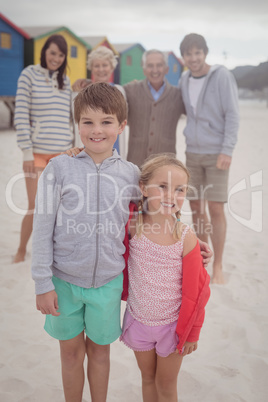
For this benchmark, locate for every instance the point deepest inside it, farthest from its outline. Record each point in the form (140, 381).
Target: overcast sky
(236, 30)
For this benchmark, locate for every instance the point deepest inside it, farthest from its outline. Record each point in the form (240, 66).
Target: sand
(231, 363)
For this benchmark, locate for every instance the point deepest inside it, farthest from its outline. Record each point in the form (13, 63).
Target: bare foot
(19, 257)
(218, 277)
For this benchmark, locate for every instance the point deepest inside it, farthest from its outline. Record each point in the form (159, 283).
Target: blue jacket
(214, 127)
(80, 218)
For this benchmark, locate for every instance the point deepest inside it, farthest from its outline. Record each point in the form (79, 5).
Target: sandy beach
(231, 363)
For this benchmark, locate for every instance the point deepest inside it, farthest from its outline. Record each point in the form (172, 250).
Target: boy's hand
(188, 348)
(206, 252)
(72, 151)
(47, 303)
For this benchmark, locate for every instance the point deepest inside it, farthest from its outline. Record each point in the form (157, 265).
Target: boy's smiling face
(98, 132)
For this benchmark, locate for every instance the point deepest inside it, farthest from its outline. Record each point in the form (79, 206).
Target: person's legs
(98, 370)
(167, 370)
(197, 195)
(27, 222)
(102, 327)
(218, 222)
(147, 365)
(72, 359)
(200, 219)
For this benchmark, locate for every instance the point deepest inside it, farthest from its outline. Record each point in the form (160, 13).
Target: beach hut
(11, 60)
(130, 63)
(11, 55)
(77, 49)
(96, 41)
(176, 66)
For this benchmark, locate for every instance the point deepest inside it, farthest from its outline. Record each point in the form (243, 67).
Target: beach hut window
(74, 51)
(129, 61)
(175, 68)
(5, 40)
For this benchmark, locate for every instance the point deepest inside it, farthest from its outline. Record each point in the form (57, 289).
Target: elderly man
(155, 107)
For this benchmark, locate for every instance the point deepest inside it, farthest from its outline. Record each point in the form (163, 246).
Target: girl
(42, 120)
(168, 285)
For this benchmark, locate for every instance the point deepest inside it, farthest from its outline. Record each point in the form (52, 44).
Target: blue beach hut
(175, 68)
(11, 56)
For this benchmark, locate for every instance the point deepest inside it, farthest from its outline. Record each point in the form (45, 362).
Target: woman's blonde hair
(147, 170)
(102, 52)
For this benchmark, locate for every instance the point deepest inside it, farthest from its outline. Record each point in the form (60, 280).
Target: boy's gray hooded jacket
(80, 218)
(214, 127)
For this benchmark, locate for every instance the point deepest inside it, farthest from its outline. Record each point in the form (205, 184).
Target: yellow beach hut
(77, 49)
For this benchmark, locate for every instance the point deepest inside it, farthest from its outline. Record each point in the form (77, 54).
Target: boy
(82, 207)
(211, 101)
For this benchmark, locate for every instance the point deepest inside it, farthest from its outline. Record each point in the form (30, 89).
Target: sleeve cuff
(44, 287)
(28, 155)
(227, 151)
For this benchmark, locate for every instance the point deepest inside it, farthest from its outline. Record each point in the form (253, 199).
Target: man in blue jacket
(211, 101)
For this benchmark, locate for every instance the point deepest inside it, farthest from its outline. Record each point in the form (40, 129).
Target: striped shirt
(43, 118)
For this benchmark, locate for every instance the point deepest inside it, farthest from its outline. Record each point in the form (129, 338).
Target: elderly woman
(102, 63)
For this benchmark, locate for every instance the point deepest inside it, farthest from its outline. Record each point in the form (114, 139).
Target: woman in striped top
(43, 120)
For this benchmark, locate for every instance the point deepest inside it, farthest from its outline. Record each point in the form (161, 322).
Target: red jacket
(195, 292)
(195, 295)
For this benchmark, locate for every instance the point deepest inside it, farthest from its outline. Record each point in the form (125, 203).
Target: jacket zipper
(97, 223)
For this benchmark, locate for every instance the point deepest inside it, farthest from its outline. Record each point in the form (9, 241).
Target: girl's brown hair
(147, 170)
(62, 45)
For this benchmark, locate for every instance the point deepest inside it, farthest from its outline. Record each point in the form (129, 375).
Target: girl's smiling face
(166, 190)
(54, 57)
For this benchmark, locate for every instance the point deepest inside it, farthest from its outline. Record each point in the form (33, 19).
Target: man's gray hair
(154, 51)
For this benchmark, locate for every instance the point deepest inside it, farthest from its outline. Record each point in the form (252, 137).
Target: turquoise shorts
(95, 311)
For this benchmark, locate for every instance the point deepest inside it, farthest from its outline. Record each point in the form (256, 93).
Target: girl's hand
(28, 166)
(206, 252)
(47, 303)
(72, 151)
(188, 348)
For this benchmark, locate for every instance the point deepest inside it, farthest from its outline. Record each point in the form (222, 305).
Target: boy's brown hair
(101, 96)
(193, 40)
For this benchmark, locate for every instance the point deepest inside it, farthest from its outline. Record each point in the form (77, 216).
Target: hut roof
(122, 47)
(95, 41)
(19, 30)
(38, 32)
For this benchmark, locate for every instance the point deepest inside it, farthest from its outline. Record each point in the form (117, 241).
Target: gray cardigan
(214, 128)
(152, 124)
(80, 218)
